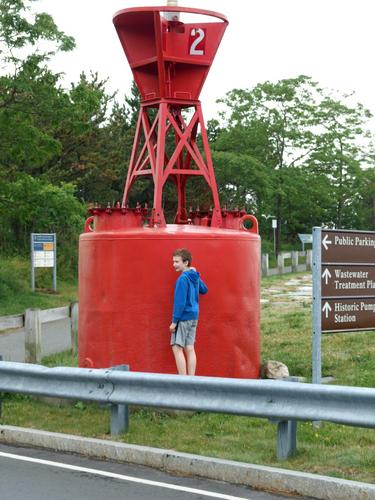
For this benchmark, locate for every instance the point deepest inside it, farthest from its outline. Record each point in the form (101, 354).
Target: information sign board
(43, 254)
(305, 239)
(343, 285)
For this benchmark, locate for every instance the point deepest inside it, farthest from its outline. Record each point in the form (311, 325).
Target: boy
(185, 312)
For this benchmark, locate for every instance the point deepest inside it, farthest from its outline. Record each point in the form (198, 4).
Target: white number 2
(199, 33)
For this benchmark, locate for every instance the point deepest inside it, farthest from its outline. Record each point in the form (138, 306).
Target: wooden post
(74, 312)
(295, 261)
(280, 263)
(265, 264)
(33, 336)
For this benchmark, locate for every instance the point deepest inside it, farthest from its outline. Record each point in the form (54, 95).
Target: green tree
(273, 123)
(81, 134)
(27, 141)
(312, 148)
(33, 205)
(20, 29)
(26, 85)
(31, 107)
(73, 135)
(132, 105)
(369, 197)
(342, 151)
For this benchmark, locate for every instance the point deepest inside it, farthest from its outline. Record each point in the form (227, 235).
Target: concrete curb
(256, 476)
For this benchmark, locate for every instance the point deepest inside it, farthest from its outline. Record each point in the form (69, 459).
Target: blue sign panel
(37, 246)
(44, 238)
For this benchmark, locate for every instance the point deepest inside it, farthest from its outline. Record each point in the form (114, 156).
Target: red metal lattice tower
(170, 61)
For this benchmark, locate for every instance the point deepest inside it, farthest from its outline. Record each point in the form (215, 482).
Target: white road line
(120, 476)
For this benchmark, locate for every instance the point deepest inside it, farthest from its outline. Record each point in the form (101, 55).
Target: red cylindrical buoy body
(126, 297)
(126, 277)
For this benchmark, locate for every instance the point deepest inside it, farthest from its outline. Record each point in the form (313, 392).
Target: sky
(333, 41)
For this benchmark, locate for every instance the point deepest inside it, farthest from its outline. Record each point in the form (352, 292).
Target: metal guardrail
(282, 402)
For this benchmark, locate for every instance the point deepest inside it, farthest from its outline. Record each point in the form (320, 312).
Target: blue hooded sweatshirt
(186, 296)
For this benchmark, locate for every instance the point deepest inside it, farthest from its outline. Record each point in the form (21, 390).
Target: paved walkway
(283, 292)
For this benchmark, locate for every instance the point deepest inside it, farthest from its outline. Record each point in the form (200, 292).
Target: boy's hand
(172, 327)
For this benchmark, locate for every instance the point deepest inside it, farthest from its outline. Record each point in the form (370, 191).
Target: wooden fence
(294, 265)
(31, 322)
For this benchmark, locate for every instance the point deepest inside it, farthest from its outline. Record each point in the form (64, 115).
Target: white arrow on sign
(326, 275)
(326, 242)
(326, 308)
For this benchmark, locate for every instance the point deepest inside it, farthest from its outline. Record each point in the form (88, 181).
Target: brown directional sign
(343, 286)
(348, 281)
(348, 314)
(348, 247)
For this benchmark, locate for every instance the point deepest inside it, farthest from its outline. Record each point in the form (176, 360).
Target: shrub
(30, 205)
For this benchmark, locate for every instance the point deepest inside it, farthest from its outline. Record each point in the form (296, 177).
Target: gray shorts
(185, 333)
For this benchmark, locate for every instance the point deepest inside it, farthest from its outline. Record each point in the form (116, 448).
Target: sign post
(274, 227)
(305, 238)
(43, 254)
(343, 285)
(316, 313)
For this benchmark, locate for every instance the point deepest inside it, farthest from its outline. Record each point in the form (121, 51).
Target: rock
(274, 370)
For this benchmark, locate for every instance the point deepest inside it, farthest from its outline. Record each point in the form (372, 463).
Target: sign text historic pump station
(343, 285)
(126, 279)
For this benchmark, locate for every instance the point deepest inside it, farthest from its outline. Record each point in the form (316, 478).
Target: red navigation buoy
(126, 278)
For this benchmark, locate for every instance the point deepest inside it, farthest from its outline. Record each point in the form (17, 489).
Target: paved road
(55, 338)
(43, 475)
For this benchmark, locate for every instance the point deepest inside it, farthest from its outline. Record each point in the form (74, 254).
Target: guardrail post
(33, 336)
(286, 439)
(119, 412)
(74, 311)
(286, 432)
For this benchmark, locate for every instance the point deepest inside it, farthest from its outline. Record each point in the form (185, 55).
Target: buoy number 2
(197, 41)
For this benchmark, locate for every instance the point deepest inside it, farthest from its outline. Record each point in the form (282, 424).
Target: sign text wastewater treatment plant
(347, 280)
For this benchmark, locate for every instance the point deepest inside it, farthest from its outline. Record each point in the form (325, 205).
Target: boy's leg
(191, 359)
(179, 358)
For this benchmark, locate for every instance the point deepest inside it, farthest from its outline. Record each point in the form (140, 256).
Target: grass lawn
(333, 450)
(15, 288)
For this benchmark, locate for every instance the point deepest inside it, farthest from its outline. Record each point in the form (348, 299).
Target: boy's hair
(184, 254)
